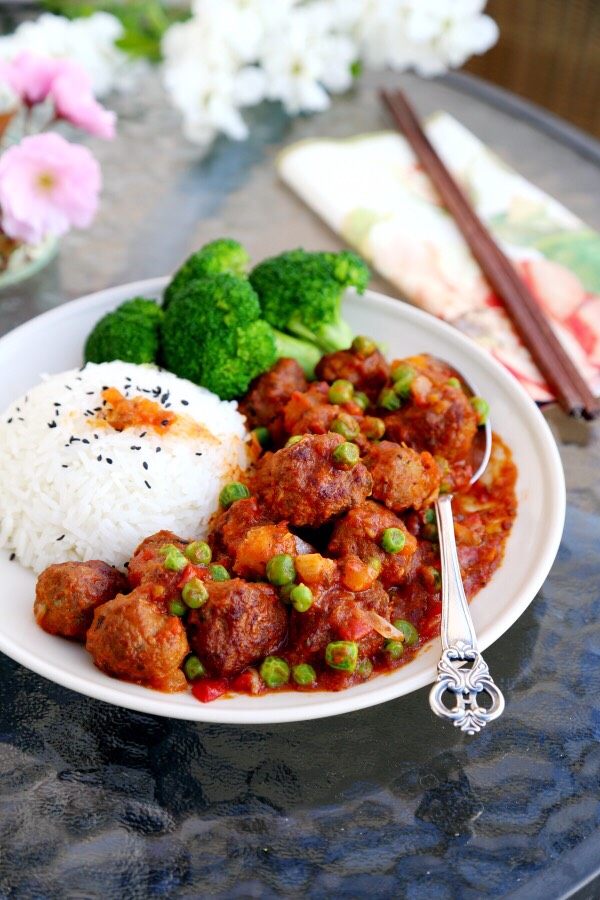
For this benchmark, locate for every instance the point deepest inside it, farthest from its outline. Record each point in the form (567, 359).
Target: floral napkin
(373, 192)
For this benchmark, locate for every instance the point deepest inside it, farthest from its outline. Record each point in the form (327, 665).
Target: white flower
(305, 58)
(206, 84)
(89, 41)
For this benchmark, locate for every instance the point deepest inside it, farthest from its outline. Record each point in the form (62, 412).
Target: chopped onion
(381, 625)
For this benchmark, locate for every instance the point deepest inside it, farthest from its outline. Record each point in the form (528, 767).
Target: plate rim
(339, 703)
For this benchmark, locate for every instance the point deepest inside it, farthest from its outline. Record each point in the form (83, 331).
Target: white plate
(53, 342)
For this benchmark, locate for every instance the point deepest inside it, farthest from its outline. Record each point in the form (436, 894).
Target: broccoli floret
(129, 333)
(216, 258)
(301, 293)
(349, 269)
(212, 334)
(307, 355)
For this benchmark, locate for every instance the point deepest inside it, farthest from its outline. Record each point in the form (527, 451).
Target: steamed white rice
(72, 491)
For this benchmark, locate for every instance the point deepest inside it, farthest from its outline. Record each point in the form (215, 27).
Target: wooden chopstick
(572, 391)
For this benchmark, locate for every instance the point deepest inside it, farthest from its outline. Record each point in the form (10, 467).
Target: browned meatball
(303, 485)
(269, 393)
(257, 547)
(67, 594)
(335, 615)
(230, 526)
(360, 532)
(147, 565)
(131, 638)
(438, 416)
(402, 477)
(367, 372)
(238, 625)
(311, 411)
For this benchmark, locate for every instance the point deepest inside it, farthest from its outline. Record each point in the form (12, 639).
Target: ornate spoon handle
(461, 670)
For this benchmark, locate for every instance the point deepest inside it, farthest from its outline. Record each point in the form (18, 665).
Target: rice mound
(70, 490)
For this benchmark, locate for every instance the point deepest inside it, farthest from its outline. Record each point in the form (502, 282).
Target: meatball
(438, 416)
(334, 616)
(304, 486)
(257, 547)
(67, 594)
(311, 411)
(239, 624)
(269, 393)
(146, 566)
(133, 639)
(360, 532)
(367, 372)
(230, 526)
(402, 477)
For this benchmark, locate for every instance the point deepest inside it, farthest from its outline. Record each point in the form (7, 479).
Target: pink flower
(30, 76)
(74, 101)
(64, 82)
(47, 185)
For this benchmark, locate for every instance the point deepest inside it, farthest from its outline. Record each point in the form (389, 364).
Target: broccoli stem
(305, 354)
(329, 338)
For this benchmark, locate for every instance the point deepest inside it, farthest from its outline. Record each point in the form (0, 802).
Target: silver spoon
(462, 671)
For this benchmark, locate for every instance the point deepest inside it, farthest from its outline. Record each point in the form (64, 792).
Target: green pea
(395, 649)
(304, 674)
(436, 577)
(341, 391)
(482, 409)
(199, 553)
(193, 668)
(219, 573)
(388, 400)
(393, 540)
(233, 491)
(295, 439)
(374, 428)
(174, 560)
(347, 426)
(301, 597)
(346, 454)
(364, 668)
(454, 382)
(281, 569)
(364, 345)
(430, 532)
(177, 608)
(194, 593)
(342, 655)
(274, 671)
(411, 635)
(361, 400)
(262, 435)
(403, 377)
(429, 516)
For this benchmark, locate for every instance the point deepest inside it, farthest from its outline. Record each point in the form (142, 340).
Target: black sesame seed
(18, 408)
(8, 421)
(145, 465)
(60, 538)
(126, 565)
(185, 402)
(143, 434)
(12, 556)
(65, 465)
(134, 447)
(158, 449)
(52, 424)
(68, 387)
(147, 485)
(165, 397)
(164, 423)
(99, 458)
(199, 454)
(85, 441)
(20, 418)
(109, 460)
(72, 439)
(56, 403)
(104, 387)
(90, 393)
